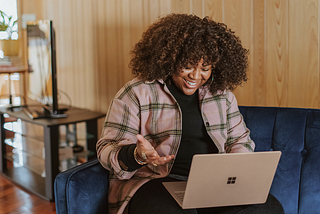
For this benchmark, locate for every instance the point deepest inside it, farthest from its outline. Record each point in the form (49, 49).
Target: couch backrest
(296, 133)
(82, 189)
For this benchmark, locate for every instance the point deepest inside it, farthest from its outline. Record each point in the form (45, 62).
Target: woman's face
(192, 77)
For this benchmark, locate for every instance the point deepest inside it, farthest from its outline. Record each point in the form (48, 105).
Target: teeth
(191, 83)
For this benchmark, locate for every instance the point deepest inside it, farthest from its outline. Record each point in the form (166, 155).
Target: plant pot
(10, 47)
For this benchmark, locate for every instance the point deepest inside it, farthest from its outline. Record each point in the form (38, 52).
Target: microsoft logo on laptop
(231, 180)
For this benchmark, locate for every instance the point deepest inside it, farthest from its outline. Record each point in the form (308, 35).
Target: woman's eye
(187, 69)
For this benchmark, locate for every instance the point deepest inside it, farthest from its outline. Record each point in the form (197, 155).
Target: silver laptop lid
(230, 179)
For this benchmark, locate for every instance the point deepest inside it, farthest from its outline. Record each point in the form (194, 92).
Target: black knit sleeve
(126, 158)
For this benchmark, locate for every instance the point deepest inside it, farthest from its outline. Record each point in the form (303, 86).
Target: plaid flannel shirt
(149, 109)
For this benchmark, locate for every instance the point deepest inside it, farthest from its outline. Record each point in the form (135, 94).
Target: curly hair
(178, 40)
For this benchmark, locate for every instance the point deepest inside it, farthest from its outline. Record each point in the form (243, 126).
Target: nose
(195, 74)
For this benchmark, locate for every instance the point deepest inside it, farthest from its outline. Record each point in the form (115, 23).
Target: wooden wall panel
(91, 47)
(238, 17)
(258, 72)
(94, 39)
(66, 34)
(79, 69)
(214, 9)
(303, 54)
(181, 6)
(197, 8)
(126, 42)
(277, 52)
(165, 7)
(112, 47)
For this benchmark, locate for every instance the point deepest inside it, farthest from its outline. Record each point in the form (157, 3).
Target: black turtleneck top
(195, 139)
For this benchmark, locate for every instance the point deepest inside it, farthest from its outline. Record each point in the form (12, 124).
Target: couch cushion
(288, 137)
(310, 174)
(260, 121)
(281, 129)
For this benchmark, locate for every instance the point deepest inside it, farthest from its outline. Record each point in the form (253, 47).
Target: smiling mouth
(191, 83)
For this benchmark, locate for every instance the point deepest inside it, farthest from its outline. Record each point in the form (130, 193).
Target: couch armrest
(82, 189)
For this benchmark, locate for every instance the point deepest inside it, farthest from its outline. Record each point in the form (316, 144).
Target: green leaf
(14, 23)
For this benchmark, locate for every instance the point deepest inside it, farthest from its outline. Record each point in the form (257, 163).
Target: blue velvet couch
(295, 132)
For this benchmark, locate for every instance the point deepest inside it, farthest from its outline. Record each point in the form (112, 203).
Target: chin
(189, 92)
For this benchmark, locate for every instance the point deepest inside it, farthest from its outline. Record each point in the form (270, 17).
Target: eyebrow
(206, 65)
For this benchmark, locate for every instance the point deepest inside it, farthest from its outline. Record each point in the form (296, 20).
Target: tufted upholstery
(294, 131)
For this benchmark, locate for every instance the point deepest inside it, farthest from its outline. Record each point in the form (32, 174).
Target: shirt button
(207, 124)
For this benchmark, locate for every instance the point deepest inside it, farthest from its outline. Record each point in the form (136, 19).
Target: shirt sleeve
(238, 139)
(121, 126)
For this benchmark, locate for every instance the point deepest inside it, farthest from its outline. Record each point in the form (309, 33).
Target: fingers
(149, 154)
(162, 160)
(154, 158)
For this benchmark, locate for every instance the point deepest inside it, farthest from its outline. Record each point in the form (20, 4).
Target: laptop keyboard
(179, 194)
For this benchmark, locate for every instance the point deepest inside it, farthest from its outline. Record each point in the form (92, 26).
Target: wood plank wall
(94, 39)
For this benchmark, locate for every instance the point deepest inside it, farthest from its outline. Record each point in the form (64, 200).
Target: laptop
(217, 180)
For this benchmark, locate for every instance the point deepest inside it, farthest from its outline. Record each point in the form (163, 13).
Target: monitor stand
(58, 114)
(12, 107)
(42, 113)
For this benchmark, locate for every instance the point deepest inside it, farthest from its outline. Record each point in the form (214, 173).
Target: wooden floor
(14, 200)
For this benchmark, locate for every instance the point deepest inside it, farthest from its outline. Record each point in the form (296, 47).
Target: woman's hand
(148, 154)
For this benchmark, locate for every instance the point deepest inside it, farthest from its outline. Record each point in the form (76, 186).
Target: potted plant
(9, 46)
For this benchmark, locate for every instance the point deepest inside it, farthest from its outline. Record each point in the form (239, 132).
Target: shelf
(74, 133)
(28, 145)
(27, 130)
(32, 131)
(77, 159)
(29, 153)
(22, 159)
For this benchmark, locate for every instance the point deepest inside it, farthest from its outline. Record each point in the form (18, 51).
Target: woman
(179, 104)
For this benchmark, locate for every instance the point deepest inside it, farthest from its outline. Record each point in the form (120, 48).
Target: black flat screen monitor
(42, 72)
